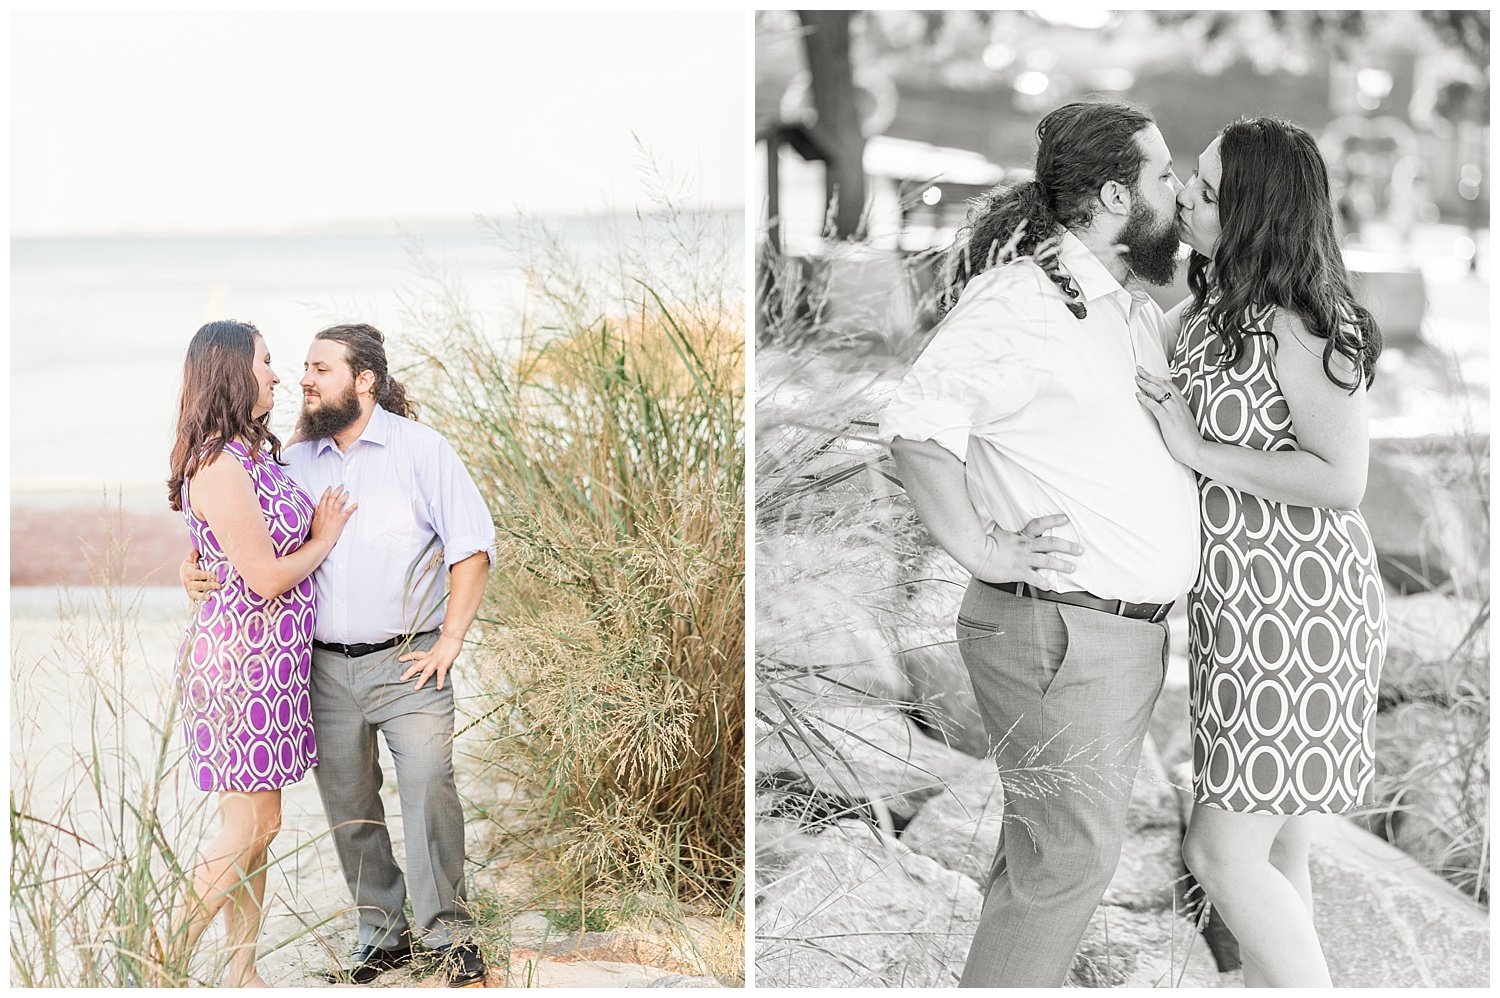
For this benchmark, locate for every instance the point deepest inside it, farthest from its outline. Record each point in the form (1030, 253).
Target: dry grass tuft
(605, 429)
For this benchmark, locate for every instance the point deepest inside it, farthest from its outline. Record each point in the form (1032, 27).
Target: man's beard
(1153, 251)
(330, 417)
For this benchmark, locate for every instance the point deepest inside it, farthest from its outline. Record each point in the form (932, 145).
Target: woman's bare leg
(1289, 852)
(242, 918)
(226, 872)
(1269, 913)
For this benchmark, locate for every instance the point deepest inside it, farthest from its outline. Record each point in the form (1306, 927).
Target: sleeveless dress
(246, 660)
(1286, 622)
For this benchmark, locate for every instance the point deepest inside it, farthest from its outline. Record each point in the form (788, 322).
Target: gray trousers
(1065, 693)
(352, 699)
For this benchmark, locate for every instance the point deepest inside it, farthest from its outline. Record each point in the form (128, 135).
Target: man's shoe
(369, 963)
(462, 964)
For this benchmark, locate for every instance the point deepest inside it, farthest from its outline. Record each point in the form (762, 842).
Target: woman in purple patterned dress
(1287, 618)
(246, 658)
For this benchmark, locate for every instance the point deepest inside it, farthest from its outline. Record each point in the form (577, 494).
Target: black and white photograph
(1121, 507)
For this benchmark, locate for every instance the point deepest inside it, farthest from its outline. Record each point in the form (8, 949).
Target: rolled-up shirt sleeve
(457, 510)
(983, 364)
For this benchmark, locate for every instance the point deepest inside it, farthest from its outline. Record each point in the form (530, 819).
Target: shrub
(606, 432)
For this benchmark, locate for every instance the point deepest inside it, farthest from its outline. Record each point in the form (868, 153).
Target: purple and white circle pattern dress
(1286, 623)
(246, 660)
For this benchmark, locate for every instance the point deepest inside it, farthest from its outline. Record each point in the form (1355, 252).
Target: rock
(825, 602)
(631, 957)
(1434, 651)
(1181, 779)
(531, 930)
(1148, 875)
(529, 970)
(849, 907)
(1426, 513)
(933, 583)
(644, 948)
(1431, 786)
(1153, 803)
(822, 623)
(862, 753)
(871, 301)
(942, 696)
(1397, 298)
(960, 828)
(1171, 723)
(1386, 923)
(1134, 949)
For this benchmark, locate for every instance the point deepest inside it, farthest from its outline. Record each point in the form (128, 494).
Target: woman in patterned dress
(1287, 619)
(246, 658)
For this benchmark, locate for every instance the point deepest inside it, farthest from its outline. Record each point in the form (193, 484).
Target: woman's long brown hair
(219, 391)
(1278, 246)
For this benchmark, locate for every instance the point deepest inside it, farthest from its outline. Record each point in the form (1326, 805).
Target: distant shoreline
(387, 226)
(74, 538)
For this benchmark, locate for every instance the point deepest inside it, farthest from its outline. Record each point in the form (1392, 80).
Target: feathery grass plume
(605, 429)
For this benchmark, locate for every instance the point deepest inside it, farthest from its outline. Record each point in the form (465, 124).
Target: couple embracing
(322, 622)
(1089, 459)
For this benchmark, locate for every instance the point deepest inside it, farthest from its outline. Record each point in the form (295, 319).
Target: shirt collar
(1093, 280)
(377, 431)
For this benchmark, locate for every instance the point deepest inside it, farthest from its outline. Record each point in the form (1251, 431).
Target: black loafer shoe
(369, 963)
(462, 964)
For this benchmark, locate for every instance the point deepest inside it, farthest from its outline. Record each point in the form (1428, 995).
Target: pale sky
(223, 122)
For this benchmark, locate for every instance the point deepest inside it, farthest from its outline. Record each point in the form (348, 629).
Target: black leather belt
(356, 651)
(1154, 612)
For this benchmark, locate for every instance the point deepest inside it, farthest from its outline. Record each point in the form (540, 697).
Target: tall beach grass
(604, 427)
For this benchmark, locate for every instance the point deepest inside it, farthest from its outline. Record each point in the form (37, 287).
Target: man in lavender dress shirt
(395, 598)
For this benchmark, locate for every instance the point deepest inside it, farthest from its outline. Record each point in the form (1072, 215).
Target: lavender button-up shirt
(419, 513)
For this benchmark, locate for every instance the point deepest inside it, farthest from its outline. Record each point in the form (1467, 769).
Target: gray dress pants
(1065, 693)
(352, 699)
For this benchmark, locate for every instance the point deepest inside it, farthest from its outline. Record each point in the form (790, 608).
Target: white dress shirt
(419, 514)
(1041, 408)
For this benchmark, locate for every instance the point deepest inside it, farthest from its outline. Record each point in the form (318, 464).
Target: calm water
(99, 327)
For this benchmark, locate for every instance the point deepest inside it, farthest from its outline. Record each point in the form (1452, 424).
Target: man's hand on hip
(937, 484)
(1022, 555)
(438, 659)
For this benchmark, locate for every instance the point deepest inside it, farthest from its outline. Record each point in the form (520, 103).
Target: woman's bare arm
(224, 496)
(1332, 461)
